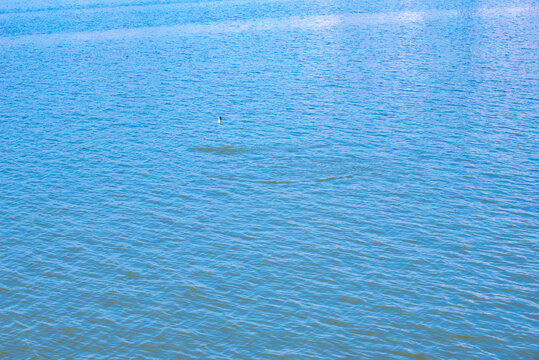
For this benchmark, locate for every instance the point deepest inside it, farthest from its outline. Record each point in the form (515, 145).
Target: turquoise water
(370, 194)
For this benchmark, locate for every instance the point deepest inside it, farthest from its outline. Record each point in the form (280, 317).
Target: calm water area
(371, 193)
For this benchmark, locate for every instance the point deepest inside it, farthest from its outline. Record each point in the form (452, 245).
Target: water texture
(370, 194)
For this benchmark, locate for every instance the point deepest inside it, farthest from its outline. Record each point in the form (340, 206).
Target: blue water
(370, 194)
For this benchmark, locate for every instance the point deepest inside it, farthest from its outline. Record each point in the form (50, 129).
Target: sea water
(371, 192)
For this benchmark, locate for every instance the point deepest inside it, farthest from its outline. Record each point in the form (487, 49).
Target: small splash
(223, 150)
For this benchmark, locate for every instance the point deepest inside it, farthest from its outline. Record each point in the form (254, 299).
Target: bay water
(371, 192)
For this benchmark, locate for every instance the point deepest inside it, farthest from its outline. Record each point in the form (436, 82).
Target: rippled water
(371, 193)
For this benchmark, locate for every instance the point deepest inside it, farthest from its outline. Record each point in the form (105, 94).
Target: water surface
(371, 193)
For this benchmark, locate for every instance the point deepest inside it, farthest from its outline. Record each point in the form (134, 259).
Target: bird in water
(219, 119)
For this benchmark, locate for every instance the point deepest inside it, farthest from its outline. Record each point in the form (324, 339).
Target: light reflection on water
(252, 25)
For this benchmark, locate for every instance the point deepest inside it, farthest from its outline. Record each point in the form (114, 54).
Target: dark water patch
(276, 182)
(224, 150)
(327, 179)
(411, 355)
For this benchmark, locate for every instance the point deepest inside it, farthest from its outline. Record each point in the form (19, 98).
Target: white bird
(219, 120)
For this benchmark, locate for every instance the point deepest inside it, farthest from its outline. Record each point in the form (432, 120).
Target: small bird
(219, 119)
